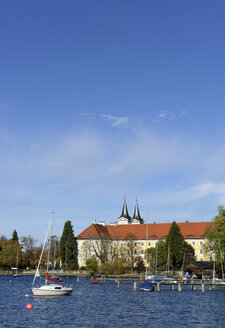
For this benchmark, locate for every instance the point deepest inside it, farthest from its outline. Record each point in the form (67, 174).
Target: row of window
(84, 251)
(149, 243)
(200, 243)
(135, 244)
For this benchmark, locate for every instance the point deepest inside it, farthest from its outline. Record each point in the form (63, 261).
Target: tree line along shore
(23, 253)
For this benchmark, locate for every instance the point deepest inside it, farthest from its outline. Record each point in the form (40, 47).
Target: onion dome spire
(137, 217)
(125, 213)
(125, 217)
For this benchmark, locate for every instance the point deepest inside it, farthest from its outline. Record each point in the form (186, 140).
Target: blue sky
(104, 98)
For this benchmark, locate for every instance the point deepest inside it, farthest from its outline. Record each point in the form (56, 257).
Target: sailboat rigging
(54, 264)
(146, 286)
(15, 270)
(49, 289)
(168, 261)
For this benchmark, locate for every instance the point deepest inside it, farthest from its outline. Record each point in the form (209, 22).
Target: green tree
(15, 236)
(123, 265)
(176, 245)
(92, 264)
(216, 237)
(189, 254)
(162, 255)
(150, 258)
(68, 247)
(54, 251)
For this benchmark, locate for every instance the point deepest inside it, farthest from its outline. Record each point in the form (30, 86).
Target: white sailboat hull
(49, 289)
(52, 290)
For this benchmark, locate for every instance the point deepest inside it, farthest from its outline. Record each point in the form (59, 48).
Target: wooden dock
(175, 284)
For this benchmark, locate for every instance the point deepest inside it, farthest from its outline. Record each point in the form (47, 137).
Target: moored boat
(50, 289)
(147, 286)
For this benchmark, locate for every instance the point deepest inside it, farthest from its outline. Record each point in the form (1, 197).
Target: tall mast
(155, 260)
(46, 236)
(17, 258)
(214, 268)
(146, 256)
(221, 261)
(168, 259)
(183, 261)
(49, 240)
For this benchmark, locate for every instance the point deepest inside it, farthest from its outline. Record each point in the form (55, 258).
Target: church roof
(189, 230)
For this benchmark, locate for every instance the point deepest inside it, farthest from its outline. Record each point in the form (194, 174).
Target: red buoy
(29, 306)
(26, 295)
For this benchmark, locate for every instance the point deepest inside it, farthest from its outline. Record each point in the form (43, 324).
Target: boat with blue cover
(147, 286)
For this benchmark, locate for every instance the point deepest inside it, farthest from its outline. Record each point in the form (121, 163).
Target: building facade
(131, 235)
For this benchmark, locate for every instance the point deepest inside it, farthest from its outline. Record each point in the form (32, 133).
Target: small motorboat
(96, 282)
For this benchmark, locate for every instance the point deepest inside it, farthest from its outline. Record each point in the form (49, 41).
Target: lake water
(107, 305)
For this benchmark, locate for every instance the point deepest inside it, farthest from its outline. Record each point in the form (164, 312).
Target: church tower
(136, 217)
(124, 218)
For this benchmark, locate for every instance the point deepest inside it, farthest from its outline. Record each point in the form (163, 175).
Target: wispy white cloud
(117, 121)
(186, 195)
(89, 115)
(182, 113)
(196, 202)
(86, 156)
(79, 172)
(166, 114)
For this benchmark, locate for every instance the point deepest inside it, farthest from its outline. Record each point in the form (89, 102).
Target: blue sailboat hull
(147, 287)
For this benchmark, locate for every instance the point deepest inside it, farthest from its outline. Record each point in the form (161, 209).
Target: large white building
(119, 234)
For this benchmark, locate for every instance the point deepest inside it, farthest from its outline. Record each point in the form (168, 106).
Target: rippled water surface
(109, 306)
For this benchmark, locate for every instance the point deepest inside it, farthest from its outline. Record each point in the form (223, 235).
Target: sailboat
(146, 286)
(49, 289)
(217, 281)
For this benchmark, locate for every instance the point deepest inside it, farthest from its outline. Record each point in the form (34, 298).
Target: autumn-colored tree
(8, 254)
(216, 238)
(139, 264)
(28, 247)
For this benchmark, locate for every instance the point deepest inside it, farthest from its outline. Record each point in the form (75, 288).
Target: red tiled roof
(189, 230)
